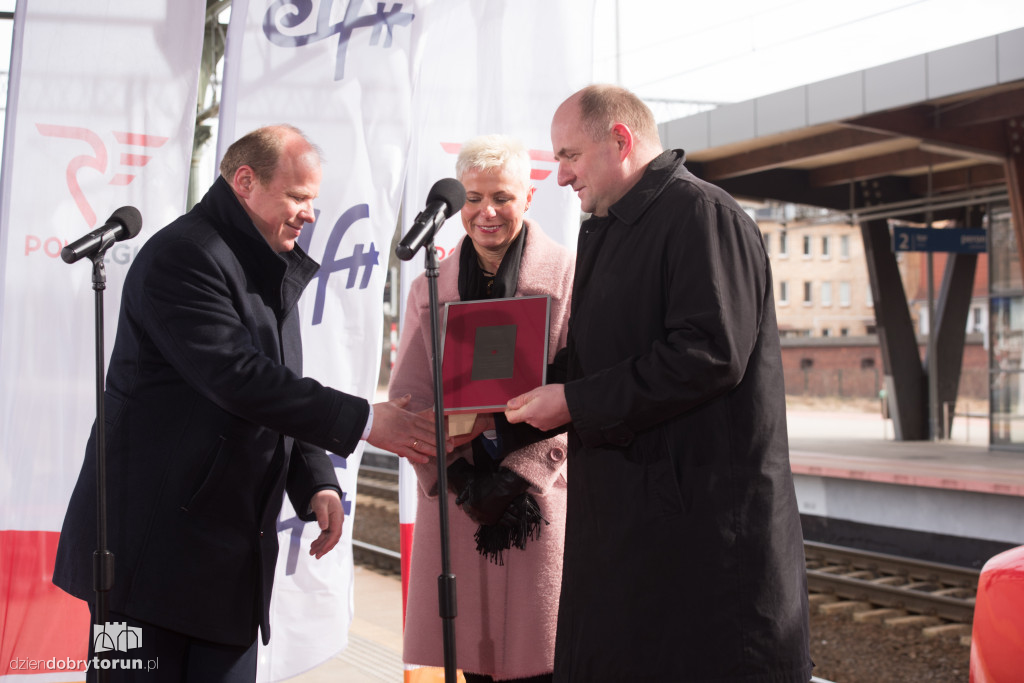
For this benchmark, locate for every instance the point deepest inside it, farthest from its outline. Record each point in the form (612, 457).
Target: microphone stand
(103, 559)
(446, 581)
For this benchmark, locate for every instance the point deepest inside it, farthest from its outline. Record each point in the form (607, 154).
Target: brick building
(821, 279)
(825, 308)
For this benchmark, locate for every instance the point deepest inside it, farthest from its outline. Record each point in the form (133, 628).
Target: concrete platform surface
(374, 653)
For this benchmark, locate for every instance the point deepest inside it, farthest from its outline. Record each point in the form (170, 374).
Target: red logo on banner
(535, 155)
(132, 153)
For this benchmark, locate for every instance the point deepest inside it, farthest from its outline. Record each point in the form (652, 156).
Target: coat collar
(539, 255)
(281, 277)
(656, 177)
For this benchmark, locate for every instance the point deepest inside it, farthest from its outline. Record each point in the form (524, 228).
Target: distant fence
(866, 382)
(836, 382)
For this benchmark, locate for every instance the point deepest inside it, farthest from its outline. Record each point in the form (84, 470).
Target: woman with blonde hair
(507, 520)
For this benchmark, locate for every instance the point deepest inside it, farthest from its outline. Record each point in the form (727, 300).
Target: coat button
(261, 534)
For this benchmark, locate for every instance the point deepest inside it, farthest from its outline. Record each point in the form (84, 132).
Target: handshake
(413, 435)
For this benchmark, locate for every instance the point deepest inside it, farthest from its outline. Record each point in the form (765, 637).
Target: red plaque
(493, 350)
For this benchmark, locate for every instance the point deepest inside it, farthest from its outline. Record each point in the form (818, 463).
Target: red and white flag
(100, 114)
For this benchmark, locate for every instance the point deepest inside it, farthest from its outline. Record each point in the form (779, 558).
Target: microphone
(123, 224)
(445, 198)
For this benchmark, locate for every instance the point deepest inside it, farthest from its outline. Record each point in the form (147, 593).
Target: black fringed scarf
(523, 512)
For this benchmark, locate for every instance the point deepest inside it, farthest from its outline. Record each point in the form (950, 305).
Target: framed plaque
(493, 350)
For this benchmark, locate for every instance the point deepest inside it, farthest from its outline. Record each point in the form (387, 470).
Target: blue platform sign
(959, 240)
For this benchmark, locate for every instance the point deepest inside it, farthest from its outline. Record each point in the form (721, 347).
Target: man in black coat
(683, 548)
(209, 422)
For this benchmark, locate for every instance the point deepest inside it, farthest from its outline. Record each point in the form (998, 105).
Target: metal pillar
(901, 360)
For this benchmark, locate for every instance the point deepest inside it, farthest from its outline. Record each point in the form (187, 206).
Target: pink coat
(506, 614)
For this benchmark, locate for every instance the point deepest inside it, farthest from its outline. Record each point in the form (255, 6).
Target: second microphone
(445, 198)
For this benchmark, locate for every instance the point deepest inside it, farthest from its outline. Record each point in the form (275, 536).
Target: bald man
(683, 548)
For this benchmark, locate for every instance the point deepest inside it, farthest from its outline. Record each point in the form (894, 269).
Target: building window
(807, 246)
(808, 299)
(844, 331)
(806, 363)
(826, 246)
(783, 293)
(826, 293)
(869, 299)
(867, 363)
(844, 246)
(783, 243)
(767, 237)
(826, 332)
(844, 293)
(977, 323)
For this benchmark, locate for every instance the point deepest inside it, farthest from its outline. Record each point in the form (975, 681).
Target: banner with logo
(342, 73)
(501, 66)
(100, 114)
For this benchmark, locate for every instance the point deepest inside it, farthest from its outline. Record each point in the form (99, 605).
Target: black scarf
(476, 284)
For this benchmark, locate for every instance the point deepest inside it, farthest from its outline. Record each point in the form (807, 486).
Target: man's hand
(544, 407)
(410, 435)
(330, 515)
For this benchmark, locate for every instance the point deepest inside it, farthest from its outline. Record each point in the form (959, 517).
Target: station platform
(857, 445)
(374, 652)
(847, 469)
(953, 501)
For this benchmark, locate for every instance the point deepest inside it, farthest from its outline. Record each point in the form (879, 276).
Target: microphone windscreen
(130, 218)
(451, 192)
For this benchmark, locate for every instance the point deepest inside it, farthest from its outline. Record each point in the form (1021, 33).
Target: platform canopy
(945, 126)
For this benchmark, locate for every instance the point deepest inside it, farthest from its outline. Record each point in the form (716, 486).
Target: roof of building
(931, 131)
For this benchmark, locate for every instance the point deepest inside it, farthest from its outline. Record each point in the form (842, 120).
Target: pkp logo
(536, 155)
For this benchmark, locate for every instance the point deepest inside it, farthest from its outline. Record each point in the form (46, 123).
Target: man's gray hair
(602, 106)
(260, 150)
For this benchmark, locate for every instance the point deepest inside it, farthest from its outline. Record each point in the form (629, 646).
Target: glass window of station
(1006, 334)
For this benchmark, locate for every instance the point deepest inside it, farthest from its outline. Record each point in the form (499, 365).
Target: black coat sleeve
(310, 470)
(194, 311)
(519, 435)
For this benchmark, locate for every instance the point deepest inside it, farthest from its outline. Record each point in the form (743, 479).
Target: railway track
(378, 482)
(873, 584)
(941, 592)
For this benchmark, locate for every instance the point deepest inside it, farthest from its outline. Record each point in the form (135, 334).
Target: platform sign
(959, 240)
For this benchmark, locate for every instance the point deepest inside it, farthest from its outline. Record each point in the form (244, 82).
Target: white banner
(500, 66)
(100, 114)
(342, 73)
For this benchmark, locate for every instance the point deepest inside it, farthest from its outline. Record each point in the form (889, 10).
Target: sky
(684, 55)
(722, 51)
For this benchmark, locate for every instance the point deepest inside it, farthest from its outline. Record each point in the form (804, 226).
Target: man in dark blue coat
(209, 422)
(683, 549)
